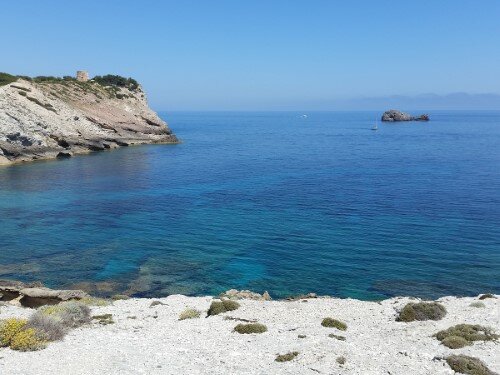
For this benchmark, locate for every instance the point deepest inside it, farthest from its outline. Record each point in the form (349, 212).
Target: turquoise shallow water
(267, 201)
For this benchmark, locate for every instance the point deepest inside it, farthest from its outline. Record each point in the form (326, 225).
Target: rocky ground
(62, 118)
(148, 338)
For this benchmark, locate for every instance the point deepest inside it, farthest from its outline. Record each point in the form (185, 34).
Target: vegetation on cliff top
(119, 81)
(6, 78)
(106, 80)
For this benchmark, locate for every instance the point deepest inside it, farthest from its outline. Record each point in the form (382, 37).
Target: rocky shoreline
(247, 333)
(49, 117)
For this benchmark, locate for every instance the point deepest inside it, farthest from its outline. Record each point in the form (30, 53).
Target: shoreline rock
(396, 116)
(35, 294)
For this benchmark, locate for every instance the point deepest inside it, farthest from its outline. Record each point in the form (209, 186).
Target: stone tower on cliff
(82, 76)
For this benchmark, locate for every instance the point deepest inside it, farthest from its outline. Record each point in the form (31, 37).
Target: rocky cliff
(49, 117)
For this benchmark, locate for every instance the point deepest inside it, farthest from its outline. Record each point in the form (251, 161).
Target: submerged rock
(34, 294)
(394, 115)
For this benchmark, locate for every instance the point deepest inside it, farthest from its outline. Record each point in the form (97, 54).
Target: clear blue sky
(261, 54)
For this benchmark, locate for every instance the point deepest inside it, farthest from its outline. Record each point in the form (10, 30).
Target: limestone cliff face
(62, 118)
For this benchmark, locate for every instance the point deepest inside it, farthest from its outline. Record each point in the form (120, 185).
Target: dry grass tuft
(50, 328)
(286, 357)
(477, 304)
(334, 323)
(250, 328)
(189, 314)
(71, 314)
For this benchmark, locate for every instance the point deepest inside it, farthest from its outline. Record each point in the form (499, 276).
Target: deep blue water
(267, 201)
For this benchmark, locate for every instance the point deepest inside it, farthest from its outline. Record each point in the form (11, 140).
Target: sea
(288, 202)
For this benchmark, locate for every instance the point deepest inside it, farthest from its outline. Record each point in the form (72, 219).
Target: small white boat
(375, 127)
(304, 116)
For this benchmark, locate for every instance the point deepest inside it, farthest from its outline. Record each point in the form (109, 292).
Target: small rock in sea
(394, 116)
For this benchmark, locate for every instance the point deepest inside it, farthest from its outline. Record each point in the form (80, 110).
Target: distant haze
(455, 101)
(268, 55)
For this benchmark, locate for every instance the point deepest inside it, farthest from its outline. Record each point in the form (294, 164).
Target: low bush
(421, 311)
(9, 328)
(189, 314)
(71, 314)
(465, 334)
(28, 339)
(468, 365)
(219, 307)
(334, 323)
(286, 357)
(250, 328)
(6, 78)
(50, 328)
(455, 342)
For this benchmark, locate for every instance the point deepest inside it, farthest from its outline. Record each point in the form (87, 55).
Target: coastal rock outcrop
(245, 294)
(48, 117)
(394, 115)
(35, 294)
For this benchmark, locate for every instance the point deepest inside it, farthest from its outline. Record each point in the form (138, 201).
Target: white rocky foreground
(151, 340)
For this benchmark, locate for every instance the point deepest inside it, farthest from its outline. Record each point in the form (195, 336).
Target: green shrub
(9, 328)
(286, 357)
(468, 365)
(421, 311)
(219, 307)
(455, 342)
(465, 334)
(230, 305)
(28, 339)
(71, 314)
(340, 360)
(22, 93)
(477, 304)
(334, 323)
(189, 314)
(115, 80)
(487, 295)
(250, 328)
(6, 78)
(301, 336)
(49, 328)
